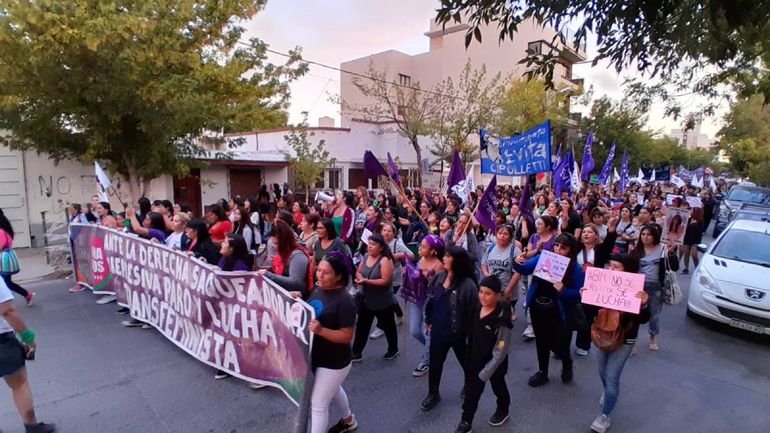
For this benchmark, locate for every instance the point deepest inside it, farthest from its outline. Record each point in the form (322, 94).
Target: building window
(535, 48)
(404, 80)
(334, 177)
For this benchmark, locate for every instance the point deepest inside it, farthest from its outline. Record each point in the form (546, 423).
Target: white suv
(732, 282)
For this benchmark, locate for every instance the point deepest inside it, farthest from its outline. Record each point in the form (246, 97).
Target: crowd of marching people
(422, 259)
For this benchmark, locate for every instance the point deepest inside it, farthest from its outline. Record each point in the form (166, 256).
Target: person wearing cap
(13, 355)
(489, 337)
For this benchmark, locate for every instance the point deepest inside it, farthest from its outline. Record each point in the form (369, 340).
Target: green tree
(685, 44)
(308, 161)
(745, 138)
(143, 85)
(466, 104)
(409, 107)
(528, 103)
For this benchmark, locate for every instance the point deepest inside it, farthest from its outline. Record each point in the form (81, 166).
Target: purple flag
(394, 171)
(487, 208)
(607, 168)
(624, 172)
(456, 171)
(588, 159)
(563, 179)
(372, 166)
(524, 207)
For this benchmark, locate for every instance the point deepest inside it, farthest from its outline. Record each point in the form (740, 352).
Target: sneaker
(39, 428)
(106, 299)
(219, 375)
(600, 424)
(528, 333)
(566, 373)
(29, 297)
(392, 354)
(256, 386)
(146, 326)
(377, 333)
(538, 379)
(133, 323)
(357, 357)
(499, 418)
(76, 288)
(463, 427)
(581, 352)
(421, 369)
(430, 402)
(654, 345)
(601, 400)
(122, 311)
(343, 426)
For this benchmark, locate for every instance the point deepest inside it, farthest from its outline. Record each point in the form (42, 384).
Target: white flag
(640, 176)
(697, 182)
(615, 175)
(103, 182)
(575, 179)
(652, 176)
(712, 184)
(676, 180)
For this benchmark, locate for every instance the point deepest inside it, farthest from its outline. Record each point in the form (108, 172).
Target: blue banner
(525, 154)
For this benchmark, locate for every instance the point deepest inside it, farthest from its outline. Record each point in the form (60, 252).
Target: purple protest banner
(487, 207)
(237, 322)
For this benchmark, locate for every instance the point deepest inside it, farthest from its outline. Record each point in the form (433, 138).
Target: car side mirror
(702, 248)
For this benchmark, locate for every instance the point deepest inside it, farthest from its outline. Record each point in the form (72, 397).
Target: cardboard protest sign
(694, 202)
(551, 266)
(670, 199)
(675, 225)
(613, 289)
(237, 322)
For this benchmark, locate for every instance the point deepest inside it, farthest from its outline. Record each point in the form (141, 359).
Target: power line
(356, 74)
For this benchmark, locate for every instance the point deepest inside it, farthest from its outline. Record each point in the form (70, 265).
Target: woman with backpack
(652, 256)
(10, 263)
(614, 333)
(291, 266)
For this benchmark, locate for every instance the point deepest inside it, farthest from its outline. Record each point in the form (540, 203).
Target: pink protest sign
(613, 289)
(551, 266)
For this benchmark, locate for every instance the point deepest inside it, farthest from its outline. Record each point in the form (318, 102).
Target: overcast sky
(336, 31)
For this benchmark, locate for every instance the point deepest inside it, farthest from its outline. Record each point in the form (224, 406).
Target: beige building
(448, 55)
(691, 139)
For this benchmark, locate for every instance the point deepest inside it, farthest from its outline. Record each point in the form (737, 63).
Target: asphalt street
(94, 375)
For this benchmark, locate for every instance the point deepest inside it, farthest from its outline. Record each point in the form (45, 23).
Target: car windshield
(744, 246)
(750, 195)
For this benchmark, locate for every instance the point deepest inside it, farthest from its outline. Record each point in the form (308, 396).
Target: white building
(691, 139)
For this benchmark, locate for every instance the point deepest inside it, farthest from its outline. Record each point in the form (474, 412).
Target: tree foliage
(308, 161)
(465, 105)
(745, 138)
(139, 84)
(690, 45)
(528, 103)
(409, 108)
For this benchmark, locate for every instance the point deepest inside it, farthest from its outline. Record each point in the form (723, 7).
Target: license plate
(747, 326)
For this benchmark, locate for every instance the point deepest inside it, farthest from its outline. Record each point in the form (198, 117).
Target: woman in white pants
(331, 353)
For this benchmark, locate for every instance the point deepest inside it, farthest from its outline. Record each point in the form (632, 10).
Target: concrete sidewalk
(35, 267)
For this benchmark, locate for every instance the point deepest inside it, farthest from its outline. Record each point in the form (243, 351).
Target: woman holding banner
(549, 304)
(650, 253)
(611, 362)
(331, 353)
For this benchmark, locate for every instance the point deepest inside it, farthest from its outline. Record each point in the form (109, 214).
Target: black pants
(438, 353)
(583, 339)
(396, 307)
(386, 321)
(474, 387)
(13, 286)
(550, 334)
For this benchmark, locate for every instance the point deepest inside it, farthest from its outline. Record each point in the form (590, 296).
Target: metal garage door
(13, 194)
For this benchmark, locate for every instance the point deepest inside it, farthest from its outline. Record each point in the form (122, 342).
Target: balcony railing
(569, 40)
